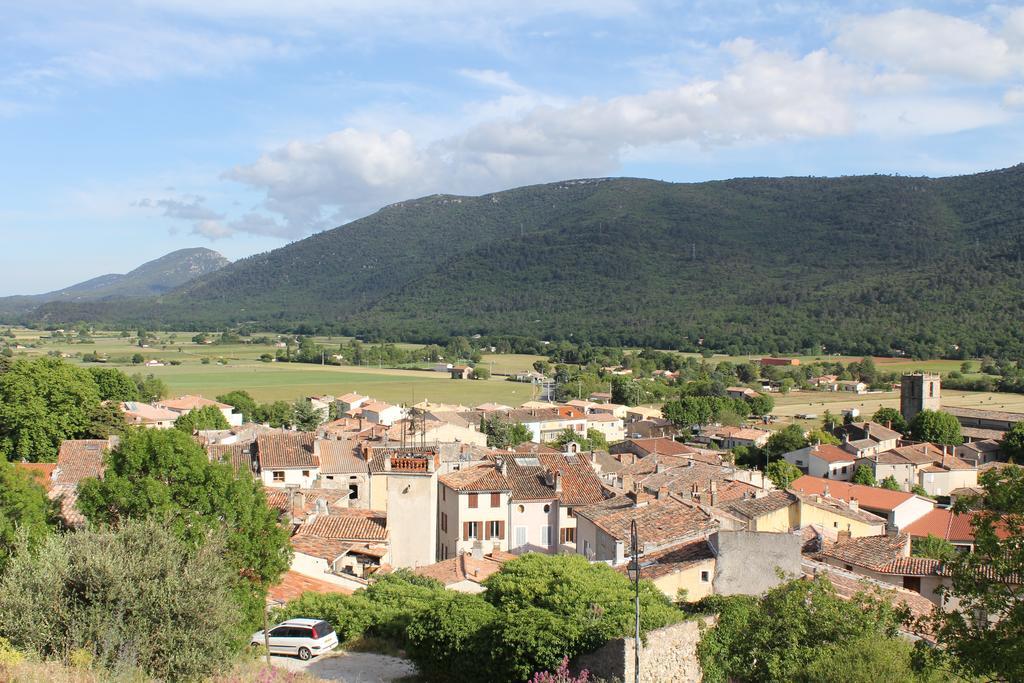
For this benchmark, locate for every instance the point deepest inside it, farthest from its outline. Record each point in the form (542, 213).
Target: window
(586, 549)
(280, 632)
(521, 508)
(495, 499)
(444, 521)
(353, 491)
(444, 493)
(472, 530)
(567, 535)
(570, 512)
(495, 530)
(705, 576)
(278, 476)
(848, 567)
(912, 583)
(547, 508)
(305, 473)
(330, 477)
(473, 500)
(844, 469)
(545, 536)
(520, 536)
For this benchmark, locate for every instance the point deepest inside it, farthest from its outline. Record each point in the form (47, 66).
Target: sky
(131, 128)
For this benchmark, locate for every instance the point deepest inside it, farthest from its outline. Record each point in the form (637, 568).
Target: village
(378, 487)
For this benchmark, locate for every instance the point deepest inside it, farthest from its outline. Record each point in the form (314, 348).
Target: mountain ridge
(855, 264)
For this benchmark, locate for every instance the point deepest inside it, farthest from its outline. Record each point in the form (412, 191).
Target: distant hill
(150, 279)
(857, 264)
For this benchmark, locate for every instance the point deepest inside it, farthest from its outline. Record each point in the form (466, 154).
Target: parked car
(306, 638)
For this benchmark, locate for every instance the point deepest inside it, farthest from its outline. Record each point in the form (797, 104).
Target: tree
(44, 401)
(138, 359)
(936, 426)
(277, 414)
(207, 417)
(135, 596)
(1013, 443)
(114, 385)
(242, 402)
(481, 372)
(165, 475)
(789, 438)
(150, 388)
(596, 440)
(891, 418)
(867, 659)
(981, 583)
(829, 421)
(305, 417)
(822, 437)
(864, 474)
(452, 631)
(24, 510)
(934, 547)
(783, 473)
(778, 636)
(688, 411)
(889, 483)
(761, 405)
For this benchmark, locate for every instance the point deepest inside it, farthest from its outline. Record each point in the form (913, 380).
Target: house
(638, 413)
(868, 438)
(601, 397)
(980, 452)
(465, 573)
(852, 386)
(77, 459)
(41, 472)
(426, 429)
(740, 392)
(898, 508)
(648, 429)
(824, 381)
(403, 483)
(828, 516)
(642, 448)
(154, 364)
(546, 490)
(613, 428)
(349, 402)
(186, 404)
(144, 415)
(344, 548)
(322, 405)
(546, 424)
(733, 437)
(943, 523)
(287, 459)
(343, 467)
(379, 412)
(932, 467)
(773, 511)
(461, 372)
(531, 377)
(823, 460)
(686, 568)
(473, 510)
(442, 367)
(793, 362)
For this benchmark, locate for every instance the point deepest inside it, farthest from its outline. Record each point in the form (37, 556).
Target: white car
(306, 638)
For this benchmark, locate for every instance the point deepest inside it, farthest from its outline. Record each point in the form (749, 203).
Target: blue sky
(133, 128)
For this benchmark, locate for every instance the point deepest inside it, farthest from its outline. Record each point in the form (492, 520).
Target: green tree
(481, 372)
(1013, 443)
(789, 438)
(890, 416)
(777, 637)
(688, 411)
(761, 405)
(937, 427)
(596, 440)
(165, 475)
(44, 401)
(138, 359)
(889, 483)
(305, 417)
(277, 414)
(114, 385)
(867, 659)
(450, 633)
(207, 417)
(24, 509)
(783, 473)
(864, 474)
(990, 649)
(136, 596)
(150, 388)
(822, 437)
(933, 547)
(242, 402)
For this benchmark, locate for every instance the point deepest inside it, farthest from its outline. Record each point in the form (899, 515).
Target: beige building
(935, 468)
(286, 459)
(139, 414)
(613, 428)
(473, 508)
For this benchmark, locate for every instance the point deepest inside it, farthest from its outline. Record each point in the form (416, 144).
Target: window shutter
(561, 536)
(495, 499)
(472, 500)
(501, 530)
(487, 530)
(465, 531)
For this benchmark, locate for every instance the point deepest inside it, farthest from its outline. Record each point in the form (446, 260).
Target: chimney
(662, 492)
(300, 501)
(502, 466)
(854, 504)
(659, 468)
(826, 492)
(558, 481)
(714, 493)
(627, 482)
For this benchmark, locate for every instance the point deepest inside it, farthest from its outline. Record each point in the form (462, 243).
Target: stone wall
(669, 656)
(749, 562)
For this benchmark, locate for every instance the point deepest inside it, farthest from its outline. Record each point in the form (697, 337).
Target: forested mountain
(150, 279)
(857, 264)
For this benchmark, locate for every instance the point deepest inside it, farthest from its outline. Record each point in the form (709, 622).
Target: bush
(350, 615)
(134, 597)
(449, 639)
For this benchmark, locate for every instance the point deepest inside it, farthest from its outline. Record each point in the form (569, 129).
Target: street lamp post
(633, 569)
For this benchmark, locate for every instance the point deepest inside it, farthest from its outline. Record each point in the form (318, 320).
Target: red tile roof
(189, 402)
(463, 567)
(829, 453)
(868, 496)
(529, 481)
(293, 585)
(80, 459)
(673, 559)
(286, 449)
(955, 528)
(480, 478)
(41, 472)
(340, 456)
(662, 446)
(657, 521)
(350, 525)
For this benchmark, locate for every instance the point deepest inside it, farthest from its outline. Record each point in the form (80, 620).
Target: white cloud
(919, 41)
(1014, 98)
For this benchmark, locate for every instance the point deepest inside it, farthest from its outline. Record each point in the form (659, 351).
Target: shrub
(448, 640)
(350, 615)
(134, 597)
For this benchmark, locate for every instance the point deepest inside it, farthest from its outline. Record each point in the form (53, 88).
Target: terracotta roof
(349, 525)
(236, 453)
(67, 498)
(752, 508)
(463, 567)
(955, 528)
(143, 413)
(883, 554)
(373, 406)
(328, 549)
(293, 584)
(80, 459)
(923, 454)
(875, 431)
(479, 478)
(352, 397)
(985, 414)
(41, 472)
(531, 447)
(671, 560)
(284, 450)
(528, 475)
(978, 433)
(841, 508)
(378, 455)
(340, 457)
(661, 445)
(190, 402)
(657, 521)
(871, 497)
(308, 498)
